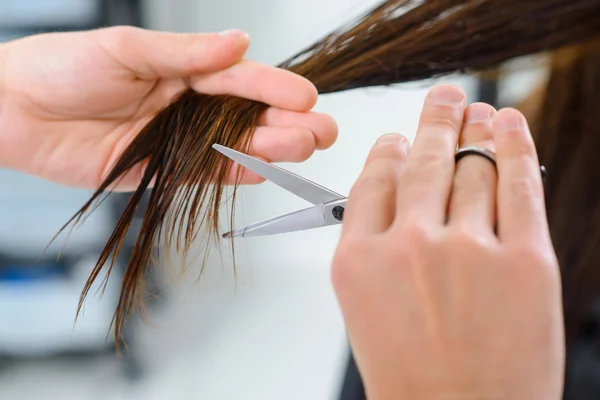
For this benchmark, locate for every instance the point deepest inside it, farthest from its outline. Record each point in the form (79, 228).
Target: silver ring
(490, 155)
(479, 151)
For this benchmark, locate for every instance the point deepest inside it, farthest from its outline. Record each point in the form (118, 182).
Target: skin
(71, 102)
(448, 311)
(434, 310)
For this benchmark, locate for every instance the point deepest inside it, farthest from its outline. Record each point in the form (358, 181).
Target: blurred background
(274, 331)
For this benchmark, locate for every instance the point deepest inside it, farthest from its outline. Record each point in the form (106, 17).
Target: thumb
(155, 54)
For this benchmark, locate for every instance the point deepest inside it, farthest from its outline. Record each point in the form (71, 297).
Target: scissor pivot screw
(338, 212)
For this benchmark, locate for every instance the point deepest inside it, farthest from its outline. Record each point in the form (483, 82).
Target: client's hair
(567, 135)
(398, 41)
(563, 115)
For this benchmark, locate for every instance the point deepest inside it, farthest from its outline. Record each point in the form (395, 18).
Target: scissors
(328, 206)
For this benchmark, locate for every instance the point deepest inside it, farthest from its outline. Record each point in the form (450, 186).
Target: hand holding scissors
(445, 271)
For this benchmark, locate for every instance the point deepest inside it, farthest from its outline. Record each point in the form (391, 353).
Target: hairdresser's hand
(71, 102)
(452, 311)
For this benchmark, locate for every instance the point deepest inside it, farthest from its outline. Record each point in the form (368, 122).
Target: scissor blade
(301, 187)
(309, 218)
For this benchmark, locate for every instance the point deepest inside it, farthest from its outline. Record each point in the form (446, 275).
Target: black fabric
(582, 378)
(352, 385)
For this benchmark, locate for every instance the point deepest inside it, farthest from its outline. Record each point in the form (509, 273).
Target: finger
(323, 127)
(154, 54)
(473, 200)
(247, 177)
(521, 208)
(130, 181)
(426, 182)
(270, 144)
(290, 144)
(372, 200)
(270, 85)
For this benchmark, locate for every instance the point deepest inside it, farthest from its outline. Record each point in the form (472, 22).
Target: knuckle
(120, 39)
(431, 159)
(411, 177)
(443, 125)
(309, 98)
(415, 233)
(330, 132)
(304, 145)
(462, 239)
(227, 79)
(193, 60)
(120, 31)
(444, 117)
(116, 38)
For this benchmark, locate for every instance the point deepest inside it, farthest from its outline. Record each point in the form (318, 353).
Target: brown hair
(567, 136)
(397, 41)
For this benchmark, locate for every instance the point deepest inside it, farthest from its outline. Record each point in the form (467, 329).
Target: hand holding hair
(103, 109)
(71, 103)
(441, 308)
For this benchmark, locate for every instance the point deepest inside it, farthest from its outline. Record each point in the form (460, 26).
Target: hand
(71, 102)
(452, 311)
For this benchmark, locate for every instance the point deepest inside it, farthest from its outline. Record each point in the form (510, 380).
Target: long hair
(567, 137)
(397, 41)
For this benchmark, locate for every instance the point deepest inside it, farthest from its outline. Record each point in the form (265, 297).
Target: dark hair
(397, 41)
(567, 136)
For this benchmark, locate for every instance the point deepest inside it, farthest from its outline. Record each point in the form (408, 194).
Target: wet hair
(397, 41)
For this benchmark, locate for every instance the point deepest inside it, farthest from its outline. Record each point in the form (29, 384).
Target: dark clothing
(352, 386)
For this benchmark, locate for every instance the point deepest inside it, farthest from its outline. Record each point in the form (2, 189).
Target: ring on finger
(475, 150)
(486, 153)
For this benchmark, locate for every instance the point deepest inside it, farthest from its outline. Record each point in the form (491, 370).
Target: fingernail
(389, 138)
(447, 94)
(234, 33)
(509, 120)
(404, 145)
(478, 113)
